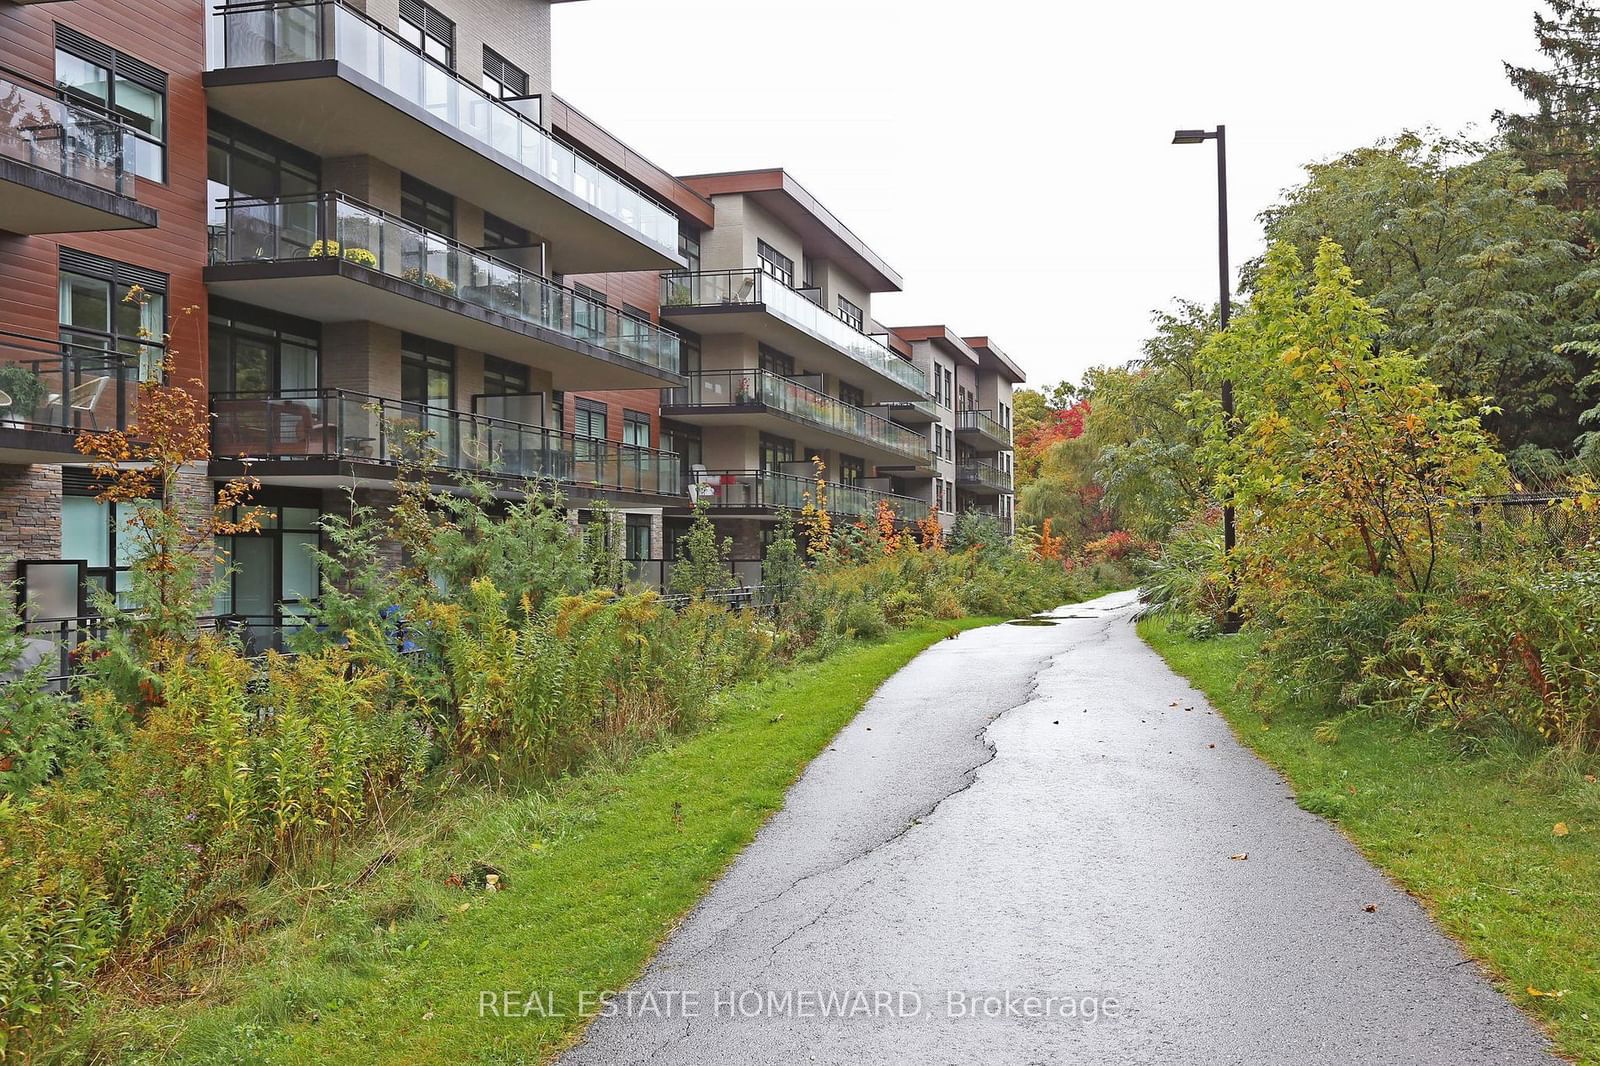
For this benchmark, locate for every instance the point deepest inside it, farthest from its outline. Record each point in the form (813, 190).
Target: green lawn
(1470, 829)
(389, 969)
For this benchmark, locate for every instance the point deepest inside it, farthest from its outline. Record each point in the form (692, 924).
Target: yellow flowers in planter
(331, 249)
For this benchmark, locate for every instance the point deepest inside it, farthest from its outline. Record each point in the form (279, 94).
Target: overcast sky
(1011, 158)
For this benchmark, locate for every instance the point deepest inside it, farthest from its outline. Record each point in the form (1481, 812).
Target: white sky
(1011, 158)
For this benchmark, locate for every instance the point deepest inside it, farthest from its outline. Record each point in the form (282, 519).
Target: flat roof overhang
(907, 414)
(326, 289)
(982, 439)
(40, 201)
(771, 420)
(943, 337)
(335, 473)
(808, 349)
(911, 471)
(780, 195)
(993, 359)
(26, 446)
(327, 107)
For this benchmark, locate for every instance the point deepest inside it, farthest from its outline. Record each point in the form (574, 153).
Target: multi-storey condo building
(354, 223)
(970, 429)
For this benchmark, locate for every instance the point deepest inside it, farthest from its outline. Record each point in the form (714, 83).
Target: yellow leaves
(1542, 993)
(1559, 830)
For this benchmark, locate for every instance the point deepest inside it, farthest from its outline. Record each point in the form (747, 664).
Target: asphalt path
(1023, 850)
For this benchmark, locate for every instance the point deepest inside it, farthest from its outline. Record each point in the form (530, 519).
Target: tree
(703, 566)
(1563, 129)
(1342, 456)
(1476, 270)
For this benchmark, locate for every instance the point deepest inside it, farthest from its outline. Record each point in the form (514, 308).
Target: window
(428, 379)
(689, 248)
(508, 393)
(689, 352)
(589, 419)
(852, 395)
(851, 313)
(502, 79)
(637, 544)
(97, 308)
(558, 411)
(135, 92)
(938, 494)
(423, 205)
(775, 263)
(498, 233)
(633, 327)
(636, 428)
(852, 471)
(429, 32)
(685, 441)
(254, 350)
(244, 162)
(274, 576)
(588, 312)
(938, 441)
(775, 451)
(949, 442)
(776, 362)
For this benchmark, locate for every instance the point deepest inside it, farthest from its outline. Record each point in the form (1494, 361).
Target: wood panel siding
(168, 35)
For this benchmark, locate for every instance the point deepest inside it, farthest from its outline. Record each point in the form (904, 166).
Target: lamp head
(1192, 136)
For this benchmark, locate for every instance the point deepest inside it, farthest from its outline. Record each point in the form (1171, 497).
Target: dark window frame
(853, 316)
(503, 79)
(774, 263)
(422, 25)
(119, 67)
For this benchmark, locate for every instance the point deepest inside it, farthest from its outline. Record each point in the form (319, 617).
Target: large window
(775, 451)
(636, 428)
(685, 441)
(253, 350)
(508, 393)
(135, 92)
(99, 533)
(852, 470)
(637, 546)
(776, 362)
(852, 395)
(98, 308)
(272, 576)
(498, 233)
(429, 32)
(427, 378)
(244, 162)
(503, 79)
(423, 205)
(689, 248)
(851, 313)
(588, 312)
(775, 263)
(589, 418)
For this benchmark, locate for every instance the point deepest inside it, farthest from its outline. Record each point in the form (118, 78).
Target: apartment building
(374, 212)
(970, 426)
(357, 223)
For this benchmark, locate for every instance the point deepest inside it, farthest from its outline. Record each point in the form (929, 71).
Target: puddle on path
(1031, 622)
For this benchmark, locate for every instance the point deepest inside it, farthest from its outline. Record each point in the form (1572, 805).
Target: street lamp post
(1230, 619)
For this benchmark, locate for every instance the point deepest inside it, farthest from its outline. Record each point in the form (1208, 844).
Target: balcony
(754, 303)
(50, 392)
(980, 429)
(768, 490)
(324, 76)
(983, 479)
(325, 429)
(775, 403)
(62, 166)
(913, 413)
(327, 257)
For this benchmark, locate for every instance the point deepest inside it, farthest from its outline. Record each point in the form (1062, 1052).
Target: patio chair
(84, 398)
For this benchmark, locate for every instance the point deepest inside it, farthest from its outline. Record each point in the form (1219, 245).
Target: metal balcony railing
(973, 420)
(296, 31)
(747, 388)
(983, 475)
(329, 225)
(67, 388)
(769, 488)
(335, 424)
(720, 288)
(40, 129)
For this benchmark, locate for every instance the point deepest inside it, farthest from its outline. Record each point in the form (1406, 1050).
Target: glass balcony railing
(68, 388)
(334, 424)
(328, 225)
(747, 388)
(719, 288)
(982, 475)
(768, 488)
(973, 420)
(274, 32)
(40, 129)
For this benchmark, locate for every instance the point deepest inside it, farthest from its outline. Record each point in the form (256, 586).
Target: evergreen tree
(1563, 130)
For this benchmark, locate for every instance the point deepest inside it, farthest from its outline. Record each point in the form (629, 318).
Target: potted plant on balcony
(429, 280)
(358, 256)
(25, 391)
(744, 394)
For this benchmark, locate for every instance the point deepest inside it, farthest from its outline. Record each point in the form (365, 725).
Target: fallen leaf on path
(1370, 908)
(1241, 857)
(1560, 829)
(1210, 745)
(1589, 778)
(1350, 789)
